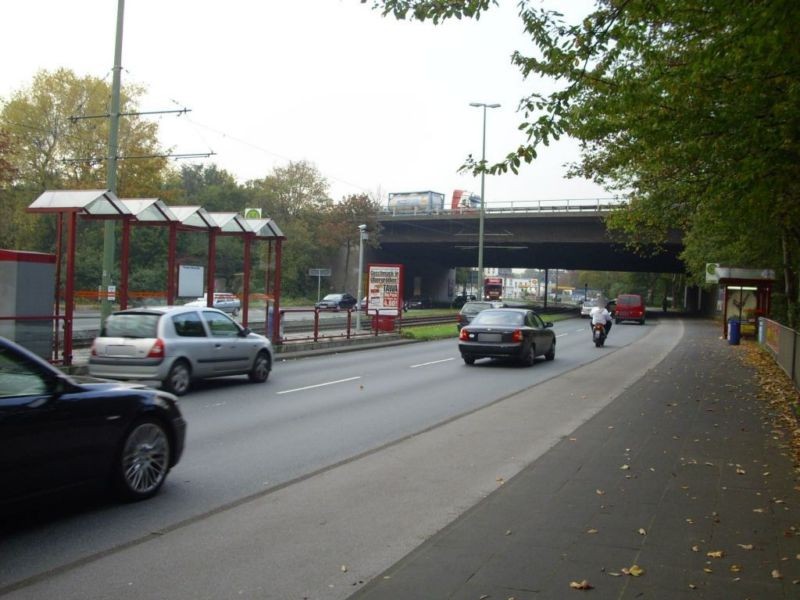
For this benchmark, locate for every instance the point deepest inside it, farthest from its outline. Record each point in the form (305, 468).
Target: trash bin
(734, 332)
(383, 322)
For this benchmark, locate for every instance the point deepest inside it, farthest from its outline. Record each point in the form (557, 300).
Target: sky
(377, 105)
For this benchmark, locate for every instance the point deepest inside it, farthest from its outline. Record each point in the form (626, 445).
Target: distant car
(461, 300)
(337, 301)
(178, 344)
(513, 333)
(630, 307)
(224, 301)
(419, 302)
(587, 306)
(57, 432)
(470, 309)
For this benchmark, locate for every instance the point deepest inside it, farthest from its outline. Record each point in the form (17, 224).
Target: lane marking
(319, 385)
(562, 335)
(433, 362)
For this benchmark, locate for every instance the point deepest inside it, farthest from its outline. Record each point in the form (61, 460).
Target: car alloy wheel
(530, 356)
(178, 379)
(261, 368)
(144, 460)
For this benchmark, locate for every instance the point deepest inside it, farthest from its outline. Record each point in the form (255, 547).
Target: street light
(483, 201)
(362, 235)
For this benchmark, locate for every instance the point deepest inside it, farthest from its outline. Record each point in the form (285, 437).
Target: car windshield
(131, 325)
(499, 317)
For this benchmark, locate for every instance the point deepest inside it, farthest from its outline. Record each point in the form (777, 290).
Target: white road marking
(311, 387)
(561, 335)
(433, 362)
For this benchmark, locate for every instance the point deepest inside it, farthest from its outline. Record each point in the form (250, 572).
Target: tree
(53, 148)
(296, 197)
(342, 225)
(687, 106)
(50, 148)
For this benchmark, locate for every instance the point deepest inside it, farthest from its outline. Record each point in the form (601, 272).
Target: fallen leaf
(508, 532)
(625, 467)
(600, 492)
(583, 585)
(690, 520)
(642, 531)
(745, 546)
(634, 571)
(715, 554)
(344, 568)
(758, 510)
(695, 548)
(736, 569)
(591, 531)
(707, 570)
(740, 471)
(614, 574)
(692, 586)
(776, 574)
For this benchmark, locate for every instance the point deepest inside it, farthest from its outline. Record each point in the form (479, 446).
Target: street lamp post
(362, 235)
(484, 106)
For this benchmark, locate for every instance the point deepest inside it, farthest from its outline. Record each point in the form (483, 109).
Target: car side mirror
(244, 332)
(548, 324)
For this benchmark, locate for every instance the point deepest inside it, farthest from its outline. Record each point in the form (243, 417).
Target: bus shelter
(68, 205)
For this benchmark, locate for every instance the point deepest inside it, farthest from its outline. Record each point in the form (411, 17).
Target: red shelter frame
(104, 204)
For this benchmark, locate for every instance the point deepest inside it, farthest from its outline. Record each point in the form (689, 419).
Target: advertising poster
(384, 289)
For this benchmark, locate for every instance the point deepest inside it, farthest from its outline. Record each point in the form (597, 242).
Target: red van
(630, 307)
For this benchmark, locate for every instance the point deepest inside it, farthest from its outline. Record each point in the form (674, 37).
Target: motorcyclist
(600, 314)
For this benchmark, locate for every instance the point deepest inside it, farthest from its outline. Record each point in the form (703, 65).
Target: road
(289, 482)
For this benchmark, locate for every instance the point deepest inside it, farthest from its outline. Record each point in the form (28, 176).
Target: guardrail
(782, 344)
(517, 207)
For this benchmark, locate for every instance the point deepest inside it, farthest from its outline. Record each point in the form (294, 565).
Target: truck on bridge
(428, 202)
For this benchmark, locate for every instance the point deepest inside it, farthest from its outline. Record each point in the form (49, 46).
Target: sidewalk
(681, 476)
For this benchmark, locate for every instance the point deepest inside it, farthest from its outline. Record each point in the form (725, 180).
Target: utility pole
(111, 172)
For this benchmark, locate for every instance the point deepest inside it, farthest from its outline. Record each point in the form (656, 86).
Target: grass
(449, 330)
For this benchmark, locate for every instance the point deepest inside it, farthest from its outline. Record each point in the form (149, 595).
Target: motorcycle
(599, 334)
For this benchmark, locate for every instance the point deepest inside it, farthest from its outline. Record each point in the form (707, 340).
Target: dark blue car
(57, 432)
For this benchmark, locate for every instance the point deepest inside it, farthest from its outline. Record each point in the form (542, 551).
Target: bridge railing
(517, 207)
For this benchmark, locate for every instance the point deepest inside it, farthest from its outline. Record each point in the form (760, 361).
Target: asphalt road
(287, 483)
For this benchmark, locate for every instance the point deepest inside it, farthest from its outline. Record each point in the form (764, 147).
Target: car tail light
(157, 351)
(463, 335)
(516, 336)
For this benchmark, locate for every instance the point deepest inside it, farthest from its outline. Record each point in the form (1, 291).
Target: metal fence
(781, 342)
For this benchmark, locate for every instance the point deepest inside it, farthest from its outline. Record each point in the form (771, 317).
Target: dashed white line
(319, 385)
(433, 362)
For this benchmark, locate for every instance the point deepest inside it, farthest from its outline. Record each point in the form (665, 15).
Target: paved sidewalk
(682, 476)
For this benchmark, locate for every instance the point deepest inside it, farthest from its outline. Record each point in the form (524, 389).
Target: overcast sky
(375, 104)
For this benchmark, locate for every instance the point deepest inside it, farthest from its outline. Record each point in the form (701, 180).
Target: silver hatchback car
(176, 344)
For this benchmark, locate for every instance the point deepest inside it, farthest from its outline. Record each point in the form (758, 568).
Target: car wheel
(469, 360)
(178, 379)
(552, 354)
(143, 461)
(261, 368)
(530, 356)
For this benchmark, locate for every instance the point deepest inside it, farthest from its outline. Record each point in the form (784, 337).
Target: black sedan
(337, 301)
(57, 433)
(514, 333)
